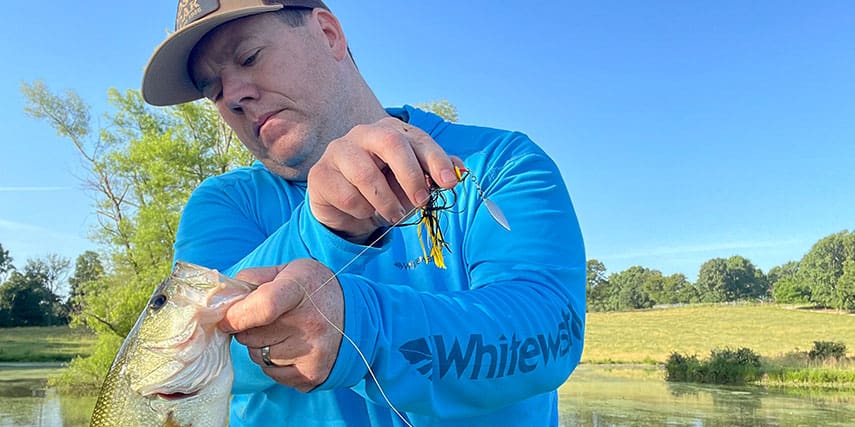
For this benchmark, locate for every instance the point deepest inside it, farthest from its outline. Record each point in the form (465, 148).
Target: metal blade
(496, 213)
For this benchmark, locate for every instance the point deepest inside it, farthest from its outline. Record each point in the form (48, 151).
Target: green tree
(634, 288)
(746, 280)
(676, 289)
(600, 294)
(630, 284)
(786, 287)
(26, 298)
(141, 168)
(442, 108)
(731, 279)
(5, 263)
(822, 268)
(54, 269)
(87, 269)
(789, 290)
(783, 271)
(712, 281)
(846, 286)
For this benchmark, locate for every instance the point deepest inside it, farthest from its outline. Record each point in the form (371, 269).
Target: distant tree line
(32, 296)
(824, 277)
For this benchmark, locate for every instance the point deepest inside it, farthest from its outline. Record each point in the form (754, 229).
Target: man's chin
(291, 173)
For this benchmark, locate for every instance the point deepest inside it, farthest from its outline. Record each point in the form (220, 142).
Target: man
(316, 222)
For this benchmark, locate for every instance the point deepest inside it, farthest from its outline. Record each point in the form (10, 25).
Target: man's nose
(237, 92)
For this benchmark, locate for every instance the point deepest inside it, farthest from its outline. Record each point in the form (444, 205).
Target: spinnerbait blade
(491, 206)
(496, 213)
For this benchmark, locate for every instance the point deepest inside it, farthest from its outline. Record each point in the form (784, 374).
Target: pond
(596, 396)
(24, 400)
(638, 396)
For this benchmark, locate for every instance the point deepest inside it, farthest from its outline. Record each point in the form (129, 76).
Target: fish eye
(157, 302)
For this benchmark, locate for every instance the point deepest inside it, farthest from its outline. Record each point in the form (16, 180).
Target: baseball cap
(166, 80)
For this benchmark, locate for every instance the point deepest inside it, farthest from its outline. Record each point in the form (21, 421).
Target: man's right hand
(374, 175)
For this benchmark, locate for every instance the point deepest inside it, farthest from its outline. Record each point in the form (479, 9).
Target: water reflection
(25, 401)
(637, 396)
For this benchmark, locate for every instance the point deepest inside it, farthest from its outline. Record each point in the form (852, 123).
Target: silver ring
(265, 356)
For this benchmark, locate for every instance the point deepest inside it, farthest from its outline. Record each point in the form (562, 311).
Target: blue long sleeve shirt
(486, 341)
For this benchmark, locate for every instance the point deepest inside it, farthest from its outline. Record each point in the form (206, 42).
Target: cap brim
(166, 80)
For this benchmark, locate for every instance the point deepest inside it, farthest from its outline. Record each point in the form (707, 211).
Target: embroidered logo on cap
(191, 10)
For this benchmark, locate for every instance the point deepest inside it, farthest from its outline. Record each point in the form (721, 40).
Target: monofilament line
(358, 351)
(343, 334)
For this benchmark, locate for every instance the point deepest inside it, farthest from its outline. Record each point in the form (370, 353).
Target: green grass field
(44, 344)
(770, 330)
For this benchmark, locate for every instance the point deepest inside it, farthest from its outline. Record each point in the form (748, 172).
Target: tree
(5, 263)
(20, 301)
(789, 290)
(53, 268)
(846, 286)
(597, 287)
(746, 280)
(630, 284)
(676, 289)
(783, 271)
(786, 287)
(634, 288)
(27, 300)
(732, 279)
(442, 108)
(141, 168)
(822, 268)
(88, 269)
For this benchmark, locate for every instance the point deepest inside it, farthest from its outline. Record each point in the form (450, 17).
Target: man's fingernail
(448, 176)
(422, 196)
(226, 327)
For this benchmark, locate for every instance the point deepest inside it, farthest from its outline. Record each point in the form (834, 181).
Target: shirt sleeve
(216, 229)
(518, 332)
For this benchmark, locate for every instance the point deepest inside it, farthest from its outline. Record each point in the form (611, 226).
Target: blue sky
(684, 130)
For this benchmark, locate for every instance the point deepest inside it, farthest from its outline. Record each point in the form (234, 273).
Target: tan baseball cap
(166, 80)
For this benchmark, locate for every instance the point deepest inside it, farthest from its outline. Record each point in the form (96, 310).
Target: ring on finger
(265, 356)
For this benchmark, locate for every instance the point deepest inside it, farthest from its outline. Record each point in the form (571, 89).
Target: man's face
(273, 84)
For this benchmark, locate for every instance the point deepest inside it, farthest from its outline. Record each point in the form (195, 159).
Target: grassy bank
(44, 344)
(649, 336)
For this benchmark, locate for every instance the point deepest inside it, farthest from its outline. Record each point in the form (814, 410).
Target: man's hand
(303, 345)
(374, 175)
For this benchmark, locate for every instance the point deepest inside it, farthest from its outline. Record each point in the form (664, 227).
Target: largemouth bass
(174, 368)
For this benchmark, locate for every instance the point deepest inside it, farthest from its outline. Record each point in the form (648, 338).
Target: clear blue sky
(684, 130)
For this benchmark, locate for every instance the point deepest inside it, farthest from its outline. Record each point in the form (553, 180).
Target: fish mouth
(176, 396)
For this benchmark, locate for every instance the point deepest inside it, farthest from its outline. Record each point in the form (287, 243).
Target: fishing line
(343, 334)
(358, 351)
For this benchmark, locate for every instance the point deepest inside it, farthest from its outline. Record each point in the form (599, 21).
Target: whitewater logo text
(502, 357)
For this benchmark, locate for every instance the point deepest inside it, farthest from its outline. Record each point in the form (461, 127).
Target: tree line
(823, 277)
(34, 295)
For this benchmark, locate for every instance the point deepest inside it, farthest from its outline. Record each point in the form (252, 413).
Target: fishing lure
(439, 201)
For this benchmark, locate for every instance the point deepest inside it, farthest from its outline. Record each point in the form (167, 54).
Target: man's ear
(332, 31)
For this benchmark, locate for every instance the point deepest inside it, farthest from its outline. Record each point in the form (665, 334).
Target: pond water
(25, 401)
(638, 396)
(596, 396)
